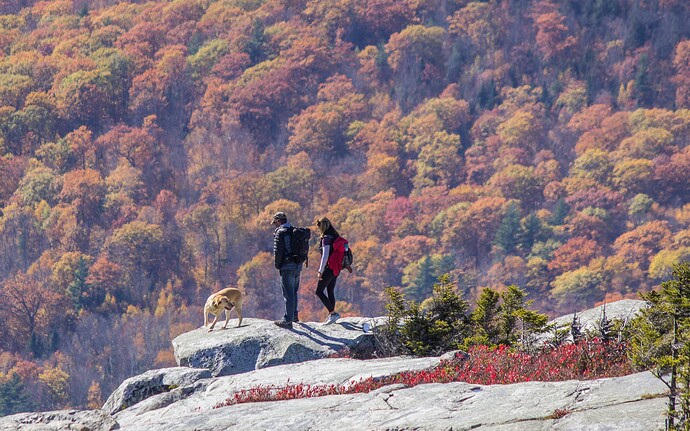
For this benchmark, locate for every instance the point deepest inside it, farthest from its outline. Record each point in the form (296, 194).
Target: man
(288, 266)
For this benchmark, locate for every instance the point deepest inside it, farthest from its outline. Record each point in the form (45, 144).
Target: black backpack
(299, 243)
(348, 258)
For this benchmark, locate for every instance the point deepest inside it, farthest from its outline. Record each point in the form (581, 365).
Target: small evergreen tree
(605, 326)
(504, 318)
(388, 335)
(443, 322)
(660, 341)
(447, 314)
(484, 318)
(517, 323)
(437, 325)
(576, 329)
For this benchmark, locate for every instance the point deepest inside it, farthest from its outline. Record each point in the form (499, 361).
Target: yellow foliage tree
(57, 382)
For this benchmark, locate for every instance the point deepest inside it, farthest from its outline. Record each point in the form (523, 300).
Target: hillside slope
(144, 146)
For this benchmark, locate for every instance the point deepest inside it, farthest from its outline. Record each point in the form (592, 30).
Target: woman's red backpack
(339, 250)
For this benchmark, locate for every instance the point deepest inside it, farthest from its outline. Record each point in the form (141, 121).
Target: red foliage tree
(573, 254)
(642, 243)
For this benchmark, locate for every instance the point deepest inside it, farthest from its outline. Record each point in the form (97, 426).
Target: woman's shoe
(331, 318)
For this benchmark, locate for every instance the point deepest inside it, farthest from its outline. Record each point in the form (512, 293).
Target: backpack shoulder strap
(288, 240)
(340, 242)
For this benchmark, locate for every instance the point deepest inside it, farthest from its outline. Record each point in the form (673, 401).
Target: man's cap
(279, 216)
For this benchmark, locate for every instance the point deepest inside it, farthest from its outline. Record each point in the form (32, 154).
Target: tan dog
(225, 300)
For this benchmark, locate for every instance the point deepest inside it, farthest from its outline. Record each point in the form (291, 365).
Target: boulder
(259, 343)
(207, 393)
(152, 382)
(630, 403)
(589, 319)
(82, 420)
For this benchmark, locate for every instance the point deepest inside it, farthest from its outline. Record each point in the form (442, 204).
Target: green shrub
(443, 322)
(439, 324)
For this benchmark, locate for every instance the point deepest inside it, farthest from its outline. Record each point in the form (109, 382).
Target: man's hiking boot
(283, 324)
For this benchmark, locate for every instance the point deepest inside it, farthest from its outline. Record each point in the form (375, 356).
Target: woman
(327, 277)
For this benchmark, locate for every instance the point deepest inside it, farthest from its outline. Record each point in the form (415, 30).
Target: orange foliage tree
(28, 308)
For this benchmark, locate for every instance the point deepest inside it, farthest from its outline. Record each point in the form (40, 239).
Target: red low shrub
(587, 360)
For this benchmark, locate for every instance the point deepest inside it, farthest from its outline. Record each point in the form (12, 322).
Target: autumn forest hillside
(145, 145)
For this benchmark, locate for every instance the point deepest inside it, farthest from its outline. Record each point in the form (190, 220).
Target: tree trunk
(672, 394)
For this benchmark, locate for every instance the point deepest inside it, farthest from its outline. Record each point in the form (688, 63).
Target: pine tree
(504, 318)
(576, 329)
(13, 399)
(484, 318)
(507, 233)
(421, 284)
(560, 211)
(448, 314)
(437, 325)
(660, 340)
(488, 96)
(254, 47)
(388, 336)
(530, 230)
(76, 289)
(442, 264)
(517, 323)
(420, 277)
(643, 83)
(605, 326)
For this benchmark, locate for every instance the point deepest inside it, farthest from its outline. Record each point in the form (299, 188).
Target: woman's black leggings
(327, 283)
